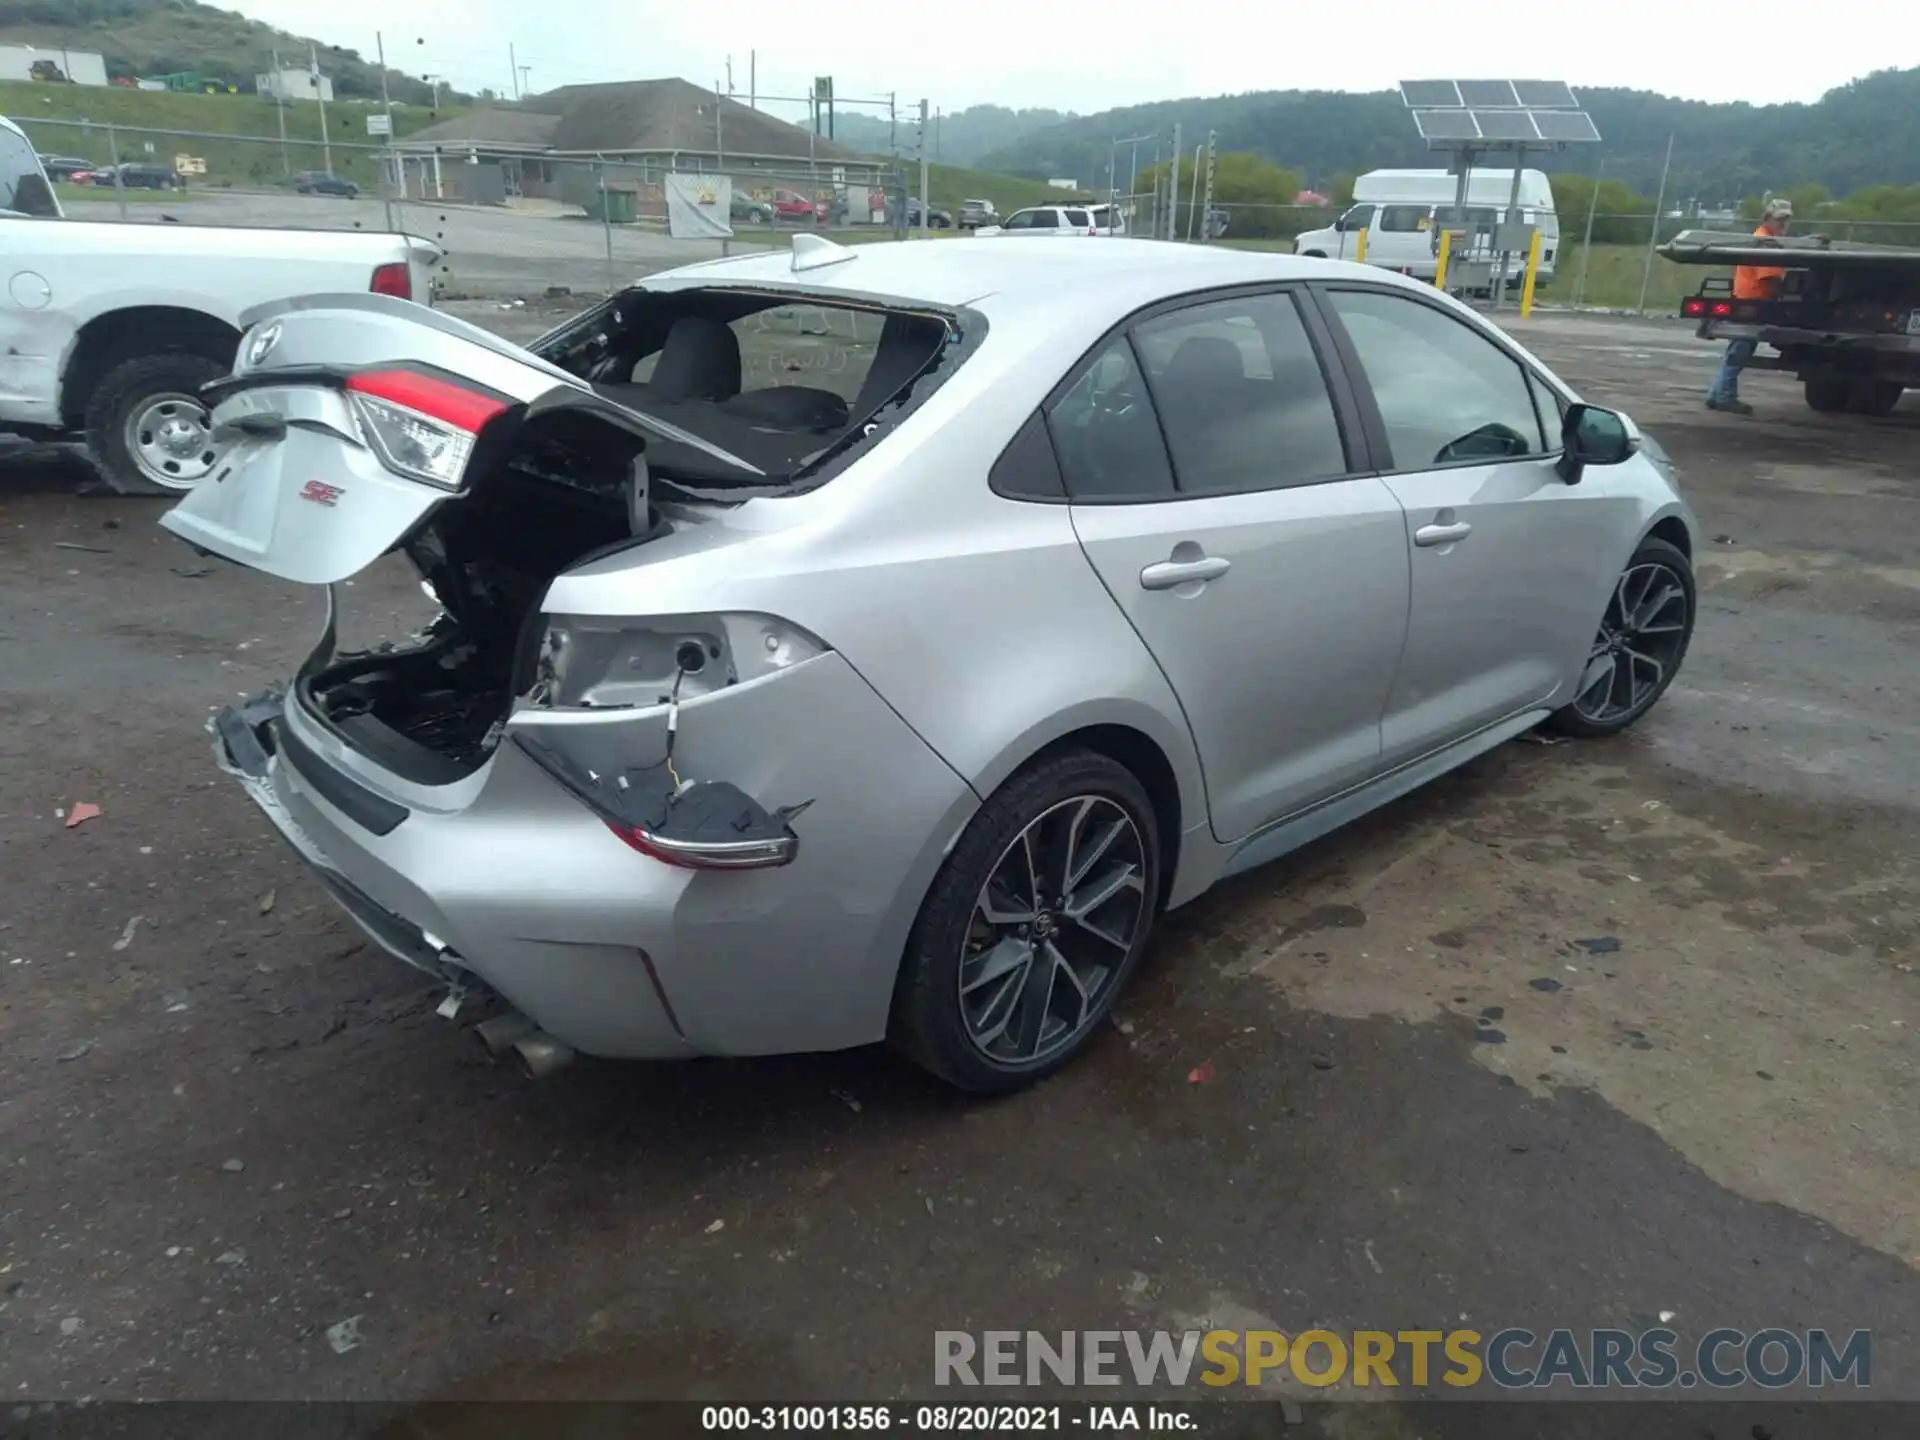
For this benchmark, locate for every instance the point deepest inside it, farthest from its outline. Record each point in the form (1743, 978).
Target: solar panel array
(1487, 95)
(1497, 113)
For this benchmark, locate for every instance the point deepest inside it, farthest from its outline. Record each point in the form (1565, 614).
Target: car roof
(962, 271)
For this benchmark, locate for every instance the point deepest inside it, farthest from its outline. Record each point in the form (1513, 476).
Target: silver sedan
(843, 645)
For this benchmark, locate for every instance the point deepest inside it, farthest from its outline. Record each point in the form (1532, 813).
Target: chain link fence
(1610, 264)
(511, 223)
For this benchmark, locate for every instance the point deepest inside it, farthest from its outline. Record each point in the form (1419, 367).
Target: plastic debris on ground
(86, 810)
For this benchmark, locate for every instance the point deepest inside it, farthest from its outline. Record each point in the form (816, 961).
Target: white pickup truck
(109, 330)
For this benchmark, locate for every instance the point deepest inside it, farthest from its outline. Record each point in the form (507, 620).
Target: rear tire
(1874, 397)
(146, 386)
(1047, 972)
(1644, 634)
(1828, 394)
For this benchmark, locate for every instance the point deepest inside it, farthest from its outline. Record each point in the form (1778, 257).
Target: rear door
(1218, 484)
(1506, 556)
(348, 422)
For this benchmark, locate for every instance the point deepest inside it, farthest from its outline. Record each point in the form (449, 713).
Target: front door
(1506, 556)
(1267, 578)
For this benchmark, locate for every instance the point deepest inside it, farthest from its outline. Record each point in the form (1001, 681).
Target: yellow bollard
(1360, 249)
(1533, 273)
(1440, 266)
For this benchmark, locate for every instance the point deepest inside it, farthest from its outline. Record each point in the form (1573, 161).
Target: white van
(1401, 211)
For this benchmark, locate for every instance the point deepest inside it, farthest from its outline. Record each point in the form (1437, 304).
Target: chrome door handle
(1442, 534)
(1170, 573)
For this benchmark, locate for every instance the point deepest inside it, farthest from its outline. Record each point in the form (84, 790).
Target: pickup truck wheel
(146, 427)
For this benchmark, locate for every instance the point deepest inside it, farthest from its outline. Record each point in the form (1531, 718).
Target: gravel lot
(226, 1123)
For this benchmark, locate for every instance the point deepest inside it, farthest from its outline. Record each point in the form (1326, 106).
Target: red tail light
(1693, 308)
(1720, 309)
(395, 280)
(440, 400)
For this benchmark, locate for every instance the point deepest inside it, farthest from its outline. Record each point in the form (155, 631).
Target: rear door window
(1079, 219)
(1242, 396)
(1106, 436)
(1405, 218)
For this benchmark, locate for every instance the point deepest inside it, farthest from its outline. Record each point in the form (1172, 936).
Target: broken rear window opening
(781, 380)
(782, 384)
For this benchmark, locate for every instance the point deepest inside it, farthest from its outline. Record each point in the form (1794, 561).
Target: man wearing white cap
(1750, 282)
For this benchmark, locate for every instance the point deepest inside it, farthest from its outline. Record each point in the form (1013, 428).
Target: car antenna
(814, 252)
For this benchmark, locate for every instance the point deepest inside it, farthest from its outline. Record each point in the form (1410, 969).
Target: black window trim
(1375, 425)
(1333, 369)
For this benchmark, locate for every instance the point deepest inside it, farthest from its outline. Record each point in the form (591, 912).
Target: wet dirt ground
(1583, 1035)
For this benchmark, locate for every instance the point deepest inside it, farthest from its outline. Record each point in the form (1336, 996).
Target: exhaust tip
(541, 1055)
(500, 1033)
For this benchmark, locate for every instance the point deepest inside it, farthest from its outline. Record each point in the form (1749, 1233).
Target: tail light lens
(1693, 308)
(395, 280)
(419, 425)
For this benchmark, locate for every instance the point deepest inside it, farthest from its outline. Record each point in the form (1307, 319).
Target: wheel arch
(115, 336)
(1673, 529)
(1159, 757)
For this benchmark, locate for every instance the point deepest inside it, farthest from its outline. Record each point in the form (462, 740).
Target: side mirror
(1592, 436)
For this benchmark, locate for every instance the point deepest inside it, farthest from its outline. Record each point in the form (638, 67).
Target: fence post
(1586, 247)
(119, 181)
(606, 218)
(1659, 204)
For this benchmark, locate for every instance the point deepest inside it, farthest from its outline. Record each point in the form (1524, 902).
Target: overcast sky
(1088, 55)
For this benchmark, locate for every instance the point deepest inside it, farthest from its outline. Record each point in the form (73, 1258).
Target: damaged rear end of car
(578, 811)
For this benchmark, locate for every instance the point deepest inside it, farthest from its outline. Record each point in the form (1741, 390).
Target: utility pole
(513, 64)
(1660, 204)
(925, 220)
(326, 146)
(392, 177)
(526, 86)
(280, 109)
(729, 75)
(1206, 214)
(936, 135)
(719, 141)
(1173, 191)
(753, 79)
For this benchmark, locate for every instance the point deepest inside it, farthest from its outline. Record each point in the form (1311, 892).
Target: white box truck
(1403, 211)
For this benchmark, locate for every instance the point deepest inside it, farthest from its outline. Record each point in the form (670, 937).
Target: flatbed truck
(1845, 321)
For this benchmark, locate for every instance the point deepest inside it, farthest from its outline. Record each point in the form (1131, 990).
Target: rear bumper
(509, 878)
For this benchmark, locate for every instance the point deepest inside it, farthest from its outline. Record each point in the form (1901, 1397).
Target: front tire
(1032, 927)
(146, 426)
(1643, 639)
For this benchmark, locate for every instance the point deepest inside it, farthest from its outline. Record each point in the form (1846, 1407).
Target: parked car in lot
(895, 695)
(795, 208)
(110, 330)
(976, 213)
(1053, 220)
(936, 219)
(64, 167)
(137, 176)
(746, 208)
(324, 182)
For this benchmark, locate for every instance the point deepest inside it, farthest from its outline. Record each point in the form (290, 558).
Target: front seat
(700, 361)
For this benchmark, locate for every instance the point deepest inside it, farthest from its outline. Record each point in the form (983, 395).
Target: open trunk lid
(348, 421)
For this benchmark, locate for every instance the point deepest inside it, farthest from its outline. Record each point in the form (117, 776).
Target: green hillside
(137, 117)
(948, 185)
(161, 37)
(1863, 133)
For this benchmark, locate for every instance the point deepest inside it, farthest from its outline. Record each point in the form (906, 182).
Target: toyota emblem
(262, 343)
